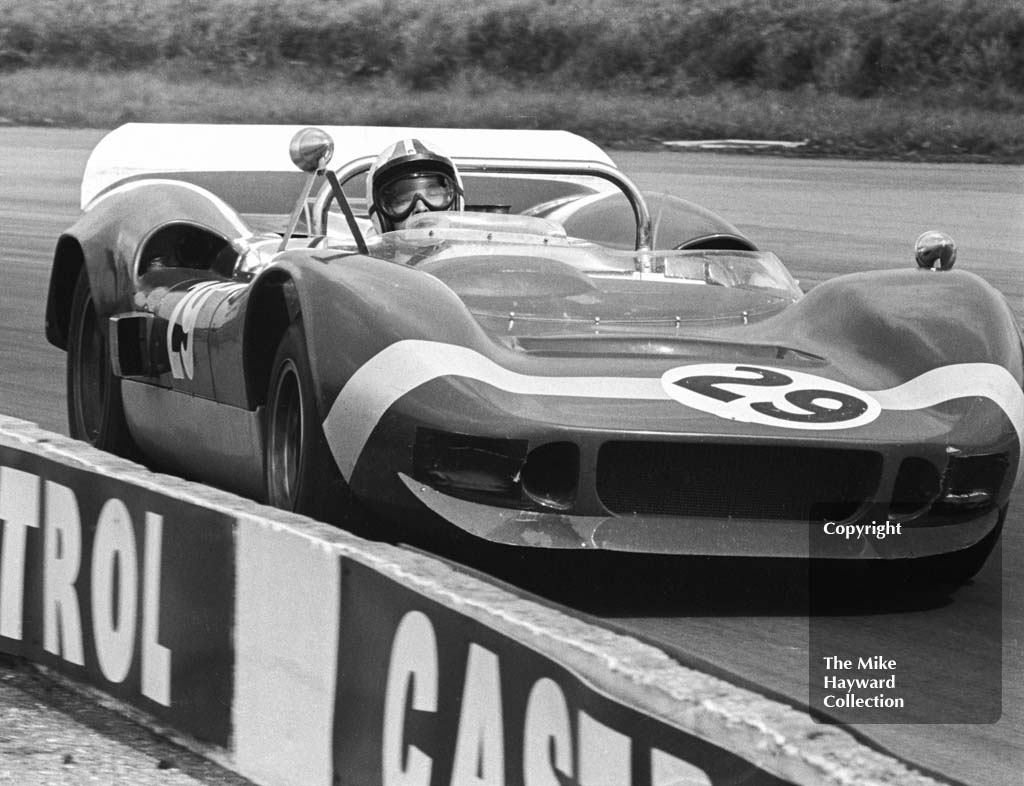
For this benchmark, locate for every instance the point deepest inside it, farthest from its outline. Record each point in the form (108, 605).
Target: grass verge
(934, 126)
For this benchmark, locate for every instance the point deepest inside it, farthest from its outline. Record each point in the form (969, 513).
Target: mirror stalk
(302, 205)
(311, 150)
(342, 201)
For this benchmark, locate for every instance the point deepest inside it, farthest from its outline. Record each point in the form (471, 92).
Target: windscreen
(490, 248)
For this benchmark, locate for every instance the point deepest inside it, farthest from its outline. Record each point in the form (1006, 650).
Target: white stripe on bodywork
(405, 365)
(985, 380)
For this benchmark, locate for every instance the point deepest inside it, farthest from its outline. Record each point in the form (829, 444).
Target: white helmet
(409, 177)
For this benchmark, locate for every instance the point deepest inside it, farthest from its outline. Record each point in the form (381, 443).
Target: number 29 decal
(770, 396)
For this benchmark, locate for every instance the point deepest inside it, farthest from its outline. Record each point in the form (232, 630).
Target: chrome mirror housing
(935, 251)
(311, 149)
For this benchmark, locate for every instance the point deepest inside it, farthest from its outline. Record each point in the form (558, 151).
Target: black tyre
(961, 566)
(95, 409)
(299, 472)
(944, 570)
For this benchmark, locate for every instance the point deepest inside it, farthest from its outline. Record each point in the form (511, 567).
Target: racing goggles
(398, 199)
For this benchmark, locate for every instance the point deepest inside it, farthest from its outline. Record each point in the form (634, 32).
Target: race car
(565, 363)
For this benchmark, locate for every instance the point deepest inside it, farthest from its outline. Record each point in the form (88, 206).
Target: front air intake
(707, 480)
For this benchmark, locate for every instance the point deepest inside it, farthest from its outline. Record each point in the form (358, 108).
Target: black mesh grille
(738, 481)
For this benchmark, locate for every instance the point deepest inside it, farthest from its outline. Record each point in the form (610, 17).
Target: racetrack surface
(54, 736)
(823, 218)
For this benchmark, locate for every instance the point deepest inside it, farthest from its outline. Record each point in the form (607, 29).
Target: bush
(853, 47)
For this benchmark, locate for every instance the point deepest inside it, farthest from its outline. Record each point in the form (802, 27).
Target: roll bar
(322, 204)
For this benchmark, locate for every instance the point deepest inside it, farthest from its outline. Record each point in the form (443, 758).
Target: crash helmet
(409, 177)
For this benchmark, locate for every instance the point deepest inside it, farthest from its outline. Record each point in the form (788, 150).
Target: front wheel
(95, 409)
(941, 570)
(961, 566)
(299, 471)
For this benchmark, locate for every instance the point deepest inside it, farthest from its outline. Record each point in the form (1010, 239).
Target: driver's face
(418, 208)
(414, 194)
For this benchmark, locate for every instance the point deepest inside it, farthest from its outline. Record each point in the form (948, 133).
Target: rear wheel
(95, 409)
(299, 471)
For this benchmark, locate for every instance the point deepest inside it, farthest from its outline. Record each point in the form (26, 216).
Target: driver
(410, 177)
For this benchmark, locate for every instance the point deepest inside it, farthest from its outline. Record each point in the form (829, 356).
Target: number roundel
(770, 396)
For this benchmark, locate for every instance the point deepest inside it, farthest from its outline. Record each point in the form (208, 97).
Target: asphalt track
(823, 218)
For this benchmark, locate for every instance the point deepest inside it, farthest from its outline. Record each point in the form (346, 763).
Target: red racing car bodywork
(538, 371)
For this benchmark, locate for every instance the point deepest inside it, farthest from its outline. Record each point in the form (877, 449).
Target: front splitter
(693, 536)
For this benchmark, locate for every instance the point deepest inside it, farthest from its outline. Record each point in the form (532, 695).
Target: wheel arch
(688, 225)
(902, 323)
(273, 305)
(107, 235)
(350, 311)
(676, 223)
(68, 261)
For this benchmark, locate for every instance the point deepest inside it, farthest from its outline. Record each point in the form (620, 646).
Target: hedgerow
(852, 47)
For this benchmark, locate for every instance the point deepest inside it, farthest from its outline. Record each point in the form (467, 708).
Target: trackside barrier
(297, 654)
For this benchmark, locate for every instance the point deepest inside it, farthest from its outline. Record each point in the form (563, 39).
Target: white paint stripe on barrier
(772, 736)
(732, 144)
(405, 365)
(286, 638)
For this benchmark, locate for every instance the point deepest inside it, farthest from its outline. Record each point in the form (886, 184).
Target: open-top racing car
(565, 363)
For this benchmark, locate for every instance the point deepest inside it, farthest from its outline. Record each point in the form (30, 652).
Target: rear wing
(250, 168)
